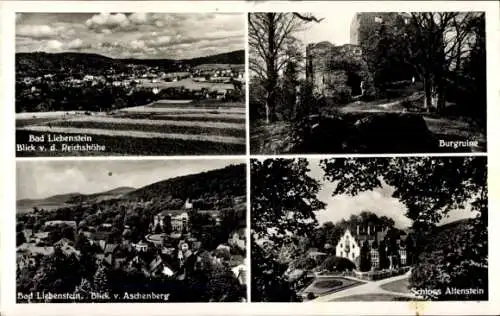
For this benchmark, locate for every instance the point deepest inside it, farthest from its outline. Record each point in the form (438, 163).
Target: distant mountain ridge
(229, 181)
(71, 198)
(81, 62)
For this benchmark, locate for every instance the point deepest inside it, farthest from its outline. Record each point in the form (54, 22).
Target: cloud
(107, 21)
(342, 206)
(77, 44)
(36, 31)
(54, 45)
(138, 35)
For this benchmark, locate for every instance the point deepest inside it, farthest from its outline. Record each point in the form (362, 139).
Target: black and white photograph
(130, 84)
(131, 231)
(367, 82)
(369, 229)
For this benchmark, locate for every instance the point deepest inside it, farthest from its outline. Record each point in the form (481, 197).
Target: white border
(7, 272)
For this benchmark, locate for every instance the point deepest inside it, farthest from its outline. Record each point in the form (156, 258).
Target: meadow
(163, 127)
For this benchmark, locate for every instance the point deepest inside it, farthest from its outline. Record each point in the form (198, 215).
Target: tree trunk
(272, 72)
(427, 92)
(267, 113)
(270, 106)
(440, 97)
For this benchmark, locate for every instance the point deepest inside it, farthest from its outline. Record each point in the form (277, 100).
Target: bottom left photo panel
(131, 231)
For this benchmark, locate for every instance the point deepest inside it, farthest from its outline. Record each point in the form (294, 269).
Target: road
(370, 287)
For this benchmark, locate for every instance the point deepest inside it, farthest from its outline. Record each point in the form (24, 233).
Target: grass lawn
(322, 286)
(327, 284)
(400, 286)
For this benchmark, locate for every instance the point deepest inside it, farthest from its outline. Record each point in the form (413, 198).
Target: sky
(40, 179)
(132, 35)
(335, 28)
(378, 201)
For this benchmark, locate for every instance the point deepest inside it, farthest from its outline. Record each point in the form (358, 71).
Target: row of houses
(163, 263)
(179, 219)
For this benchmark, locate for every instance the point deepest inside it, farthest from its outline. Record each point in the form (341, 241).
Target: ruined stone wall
(326, 80)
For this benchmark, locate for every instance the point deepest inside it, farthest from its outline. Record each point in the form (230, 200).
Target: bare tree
(436, 43)
(270, 34)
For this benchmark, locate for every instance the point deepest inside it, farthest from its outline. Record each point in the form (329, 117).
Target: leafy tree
(167, 224)
(378, 40)
(337, 264)
(223, 286)
(283, 203)
(437, 42)
(100, 280)
(430, 188)
(20, 239)
(290, 84)
(365, 260)
(158, 229)
(268, 281)
(283, 198)
(382, 253)
(84, 289)
(410, 247)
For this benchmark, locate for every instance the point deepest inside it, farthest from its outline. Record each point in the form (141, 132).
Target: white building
(141, 246)
(179, 222)
(348, 247)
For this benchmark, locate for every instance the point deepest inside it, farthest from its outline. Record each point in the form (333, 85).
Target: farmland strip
(187, 117)
(119, 120)
(152, 128)
(136, 134)
(148, 109)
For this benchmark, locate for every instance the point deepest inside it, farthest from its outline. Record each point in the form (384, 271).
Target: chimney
(368, 230)
(357, 230)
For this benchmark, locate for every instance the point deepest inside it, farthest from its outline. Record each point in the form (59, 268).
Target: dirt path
(361, 107)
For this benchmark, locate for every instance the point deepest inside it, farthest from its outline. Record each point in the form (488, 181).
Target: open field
(160, 128)
(154, 109)
(187, 83)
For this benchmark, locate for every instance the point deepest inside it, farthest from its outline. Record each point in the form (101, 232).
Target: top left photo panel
(141, 84)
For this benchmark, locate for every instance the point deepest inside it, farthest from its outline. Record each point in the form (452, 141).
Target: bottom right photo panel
(369, 229)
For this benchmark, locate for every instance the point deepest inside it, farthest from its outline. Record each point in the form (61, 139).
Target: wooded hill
(206, 188)
(213, 185)
(71, 62)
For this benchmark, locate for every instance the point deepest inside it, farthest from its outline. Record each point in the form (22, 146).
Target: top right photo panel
(367, 82)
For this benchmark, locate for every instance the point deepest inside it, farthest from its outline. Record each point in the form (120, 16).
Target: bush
(303, 263)
(337, 264)
(391, 132)
(341, 94)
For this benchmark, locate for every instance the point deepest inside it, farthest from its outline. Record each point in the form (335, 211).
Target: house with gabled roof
(350, 243)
